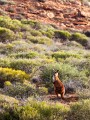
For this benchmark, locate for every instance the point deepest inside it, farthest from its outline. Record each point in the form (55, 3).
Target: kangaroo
(58, 85)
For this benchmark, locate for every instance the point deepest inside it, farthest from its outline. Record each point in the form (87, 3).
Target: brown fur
(58, 86)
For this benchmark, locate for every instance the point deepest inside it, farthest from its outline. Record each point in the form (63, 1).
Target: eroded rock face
(65, 15)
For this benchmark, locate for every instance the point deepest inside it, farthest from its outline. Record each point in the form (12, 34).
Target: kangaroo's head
(55, 76)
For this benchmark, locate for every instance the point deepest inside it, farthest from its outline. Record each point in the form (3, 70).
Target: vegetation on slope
(29, 51)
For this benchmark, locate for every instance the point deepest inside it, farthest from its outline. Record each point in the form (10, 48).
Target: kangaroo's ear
(57, 71)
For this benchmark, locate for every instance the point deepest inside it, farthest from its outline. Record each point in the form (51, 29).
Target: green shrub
(31, 54)
(20, 90)
(35, 110)
(64, 54)
(7, 99)
(80, 110)
(74, 44)
(6, 35)
(42, 91)
(40, 40)
(49, 111)
(66, 73)
(20, 45)
(62, 34)
(8, 74)
(32, 23)
(4, 62)
(80, 38)
(81, 64)
(7, 83)
(49, 33)
(35, 33)
(26, 65)
(5, 49)
(8, 23)
(28, 113)
(84, 93)
(42, 111)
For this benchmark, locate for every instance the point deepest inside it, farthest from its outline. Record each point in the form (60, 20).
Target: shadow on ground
(68, 98)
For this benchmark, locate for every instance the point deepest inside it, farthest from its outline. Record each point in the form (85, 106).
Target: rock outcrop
(65, 15)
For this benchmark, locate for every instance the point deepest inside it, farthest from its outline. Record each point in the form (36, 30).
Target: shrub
(7, 83)
(8, 23)
(4, 62)
(62, 34)
(32, 23)
(47, 71)
(20, 45)
(5, 49)
(40, 40)
(20, 90)
(35, 33)
(12, 75)
(42, 91)
(74, 44)
(35, 110)
(6, 35)
(84, 93)
(7, 99)
(49, 32)
(80, 38)
(28, 113)
(31, 54)
(81, 64)
(66, 73)
(80, 110)
(26, 65)
(64, 55)
(49, 111)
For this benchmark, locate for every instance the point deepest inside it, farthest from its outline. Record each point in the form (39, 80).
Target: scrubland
(29, 51)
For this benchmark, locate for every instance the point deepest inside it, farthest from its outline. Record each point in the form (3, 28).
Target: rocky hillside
(66, 14)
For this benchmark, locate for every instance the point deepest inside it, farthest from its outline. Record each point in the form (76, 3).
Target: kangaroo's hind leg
(62, 94)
